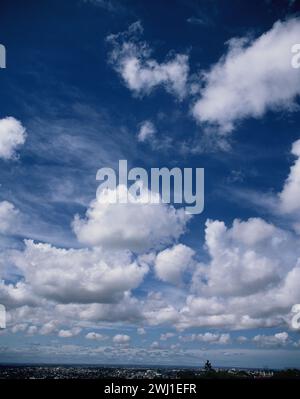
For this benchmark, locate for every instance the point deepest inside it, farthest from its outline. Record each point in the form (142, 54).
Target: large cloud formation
(135, 226)
(253, 77)
(58, 289)
(249, 278)
(77, 276)
(245, 258)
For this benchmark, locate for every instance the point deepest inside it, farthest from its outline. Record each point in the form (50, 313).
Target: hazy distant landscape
(138, 372)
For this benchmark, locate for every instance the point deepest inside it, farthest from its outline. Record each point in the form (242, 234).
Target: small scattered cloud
(69, 333)
(9, 217)
(96, 336)
(141, 73)
(147, 131)
(141, 331)
(201, 21)
(289, 196)
(121, 339)
(276, 340)
(207, 338)
(12, 137)
(166, 336)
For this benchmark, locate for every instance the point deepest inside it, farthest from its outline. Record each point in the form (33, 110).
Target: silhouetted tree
(208, 367)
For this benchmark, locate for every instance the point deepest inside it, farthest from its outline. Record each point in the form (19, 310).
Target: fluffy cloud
(172, 262)
(127, 310)
(279, 339)
(166, 336)
(49, 327)
(77, 276)
(18, 328)
(96, 336)
(8, 217)
(284, 204)
(290, 195)
(252, 78)
(246, 258)
(50, 317)
(121, 339)
(135, 226)
(69, 333)
(15, 295)
(270, 307)
(12, 136)
(148, 134)
(155, 345)
(141, 73)
(141, 331)
(32, 330)
(147, 131)
(251, 280)
(207, 338)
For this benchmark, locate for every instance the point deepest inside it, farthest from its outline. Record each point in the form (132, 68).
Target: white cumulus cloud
(246, 258)
(121, 339)
(135, 226)
(279, 339)
(96, 336)
(77, 276)
(69, 333)
(172, 262)
(12, 136)
(290, 195)
(8, 217)
(253, 77)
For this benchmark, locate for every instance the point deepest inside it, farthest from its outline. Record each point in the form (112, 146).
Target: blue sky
(91, 283)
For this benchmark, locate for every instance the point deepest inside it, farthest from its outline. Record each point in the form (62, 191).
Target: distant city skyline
(196, 84)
